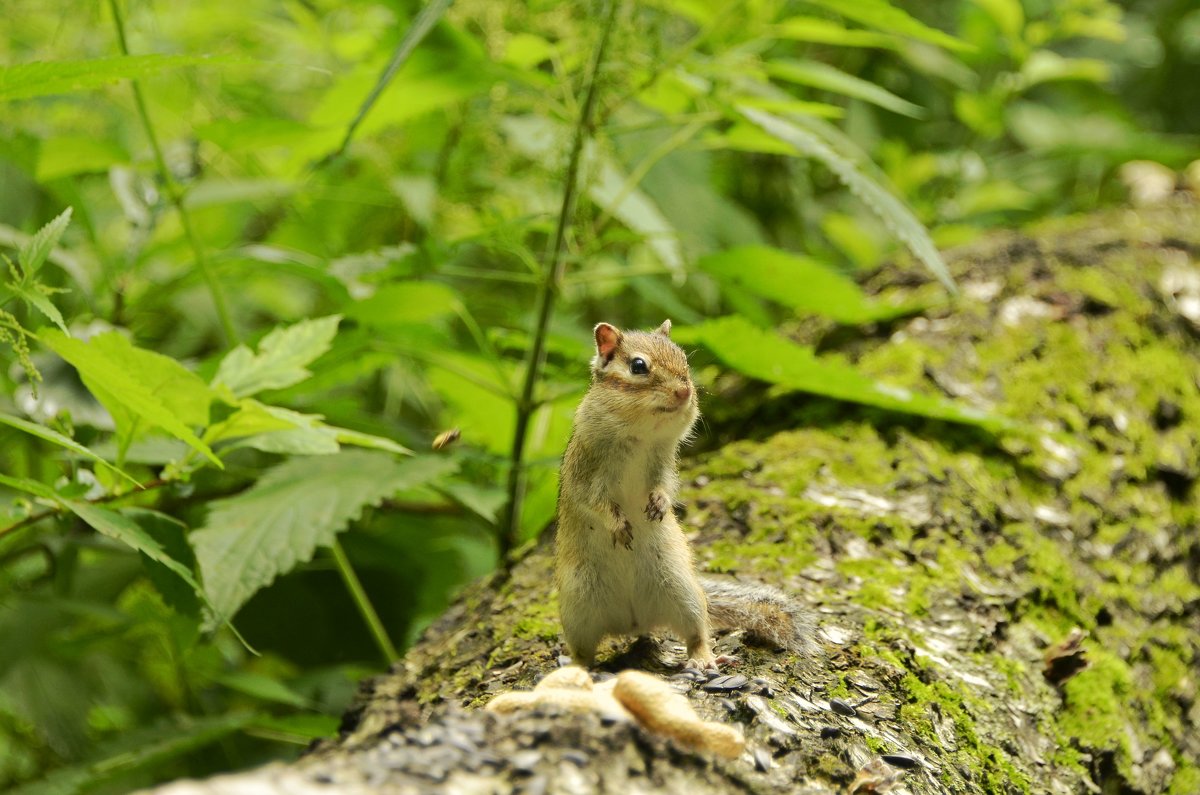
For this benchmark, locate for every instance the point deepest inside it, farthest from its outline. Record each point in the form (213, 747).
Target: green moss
(1096, 706)
(1001, 555)
(840, 690)
(1186, 780)
(876, 745)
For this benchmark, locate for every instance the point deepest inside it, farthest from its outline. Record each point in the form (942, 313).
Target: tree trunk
(946, 568)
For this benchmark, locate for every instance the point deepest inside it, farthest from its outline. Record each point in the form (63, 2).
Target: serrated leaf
(827, 78)
(800, 283)
(34, 252)
(281, 358)
(300, 505)
(123, 528)
(139, 386)
(769, 357)
(44, 78)
(883, 16)
(899, 220)
(54, 437)
(171, 535)
(35, 298)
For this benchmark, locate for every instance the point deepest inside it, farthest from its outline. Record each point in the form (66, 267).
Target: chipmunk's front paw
(623, 535)
(657, 506)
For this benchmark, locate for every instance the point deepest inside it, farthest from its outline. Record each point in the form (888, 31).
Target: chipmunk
(623, 565)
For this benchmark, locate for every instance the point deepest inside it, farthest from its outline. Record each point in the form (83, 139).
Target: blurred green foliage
(242, 286)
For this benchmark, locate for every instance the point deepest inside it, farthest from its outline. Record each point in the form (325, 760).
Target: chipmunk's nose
(683, 392)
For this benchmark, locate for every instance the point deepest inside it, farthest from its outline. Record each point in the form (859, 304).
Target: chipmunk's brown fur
(623, 563)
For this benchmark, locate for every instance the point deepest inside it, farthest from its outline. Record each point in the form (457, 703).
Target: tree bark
(946, 568)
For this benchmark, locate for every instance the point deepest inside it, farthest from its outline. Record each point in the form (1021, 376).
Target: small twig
(173, 191)
(510, 527)
(46, 514)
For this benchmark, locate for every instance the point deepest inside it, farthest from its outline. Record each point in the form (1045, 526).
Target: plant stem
(552, 275)
(420, 27)
(174, 193)
(364, 604)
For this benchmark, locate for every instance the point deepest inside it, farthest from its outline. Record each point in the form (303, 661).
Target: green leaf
(281, 358)
(898, 218)
(612, 189)
(54, 437)
(137, 750)
(273, 429)
(827, 78)
(799, 283)
(122, 527)
(826, 31)
(302, 728)
(471, 388)
(35, 487)
(41, 79)
(252, 538)
(30, 294)
(769, 357)
(485, 500)
(306, 436)
(263, 687)
(257, 133)
(883, 16)
(171, 534)
(792, 106)
(35, 251)
(138, 386)
(540, 140)
(66, 155)
(1045, 66)
(367, 440)
(250, 419)
(407, 302)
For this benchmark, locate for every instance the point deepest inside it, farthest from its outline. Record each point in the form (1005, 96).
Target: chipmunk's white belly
(632, 488)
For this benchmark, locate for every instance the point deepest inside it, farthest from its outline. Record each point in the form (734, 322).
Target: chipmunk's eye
(639, 367)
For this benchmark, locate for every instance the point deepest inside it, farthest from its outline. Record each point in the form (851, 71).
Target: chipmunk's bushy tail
(769, 616)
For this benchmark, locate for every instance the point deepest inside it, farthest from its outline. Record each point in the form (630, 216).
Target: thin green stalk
(552, 276)
(173, 191)
(420, 27)
(364, 604)
(483, 274)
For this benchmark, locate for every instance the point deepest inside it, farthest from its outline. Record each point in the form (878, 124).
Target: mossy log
(1001, 615)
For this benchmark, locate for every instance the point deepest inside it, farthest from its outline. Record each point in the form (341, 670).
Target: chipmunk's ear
(664, 329)
(608, 337)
